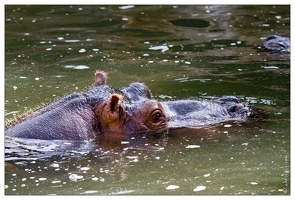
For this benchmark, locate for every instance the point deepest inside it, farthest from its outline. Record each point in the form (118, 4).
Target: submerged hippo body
(104, 110)
(275, 43)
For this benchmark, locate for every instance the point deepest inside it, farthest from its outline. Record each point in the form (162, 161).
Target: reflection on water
(178, 52)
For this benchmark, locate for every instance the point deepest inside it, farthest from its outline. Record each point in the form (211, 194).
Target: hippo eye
(157, 116)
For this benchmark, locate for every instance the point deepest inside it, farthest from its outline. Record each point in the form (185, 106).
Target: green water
(178, 52)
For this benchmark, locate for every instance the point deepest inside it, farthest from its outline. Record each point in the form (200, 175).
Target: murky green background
(178, 52)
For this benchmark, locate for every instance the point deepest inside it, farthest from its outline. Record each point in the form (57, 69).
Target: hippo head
(130, 110)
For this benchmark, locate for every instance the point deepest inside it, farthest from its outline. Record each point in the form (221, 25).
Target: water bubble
(75, 177)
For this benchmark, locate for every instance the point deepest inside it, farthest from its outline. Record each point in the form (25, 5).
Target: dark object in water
(275, 43)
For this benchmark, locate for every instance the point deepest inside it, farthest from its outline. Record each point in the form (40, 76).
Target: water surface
(178, 52)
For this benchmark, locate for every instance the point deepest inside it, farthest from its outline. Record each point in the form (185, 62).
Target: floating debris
(76, 67)
(82, 50)
(126, 7)
(72, 40)
(270, 67)
(55, 165)
(172, 187)
(199, 188)
(163, 48)
(55, 182)
(122, 192)
(85, 168)
(192, 146)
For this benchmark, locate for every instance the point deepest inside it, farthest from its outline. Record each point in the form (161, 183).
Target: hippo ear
(111, 115)
(100, 78)
(115, 102)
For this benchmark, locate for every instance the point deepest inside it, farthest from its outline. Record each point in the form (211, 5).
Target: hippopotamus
(130, 110)
(275, 43)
